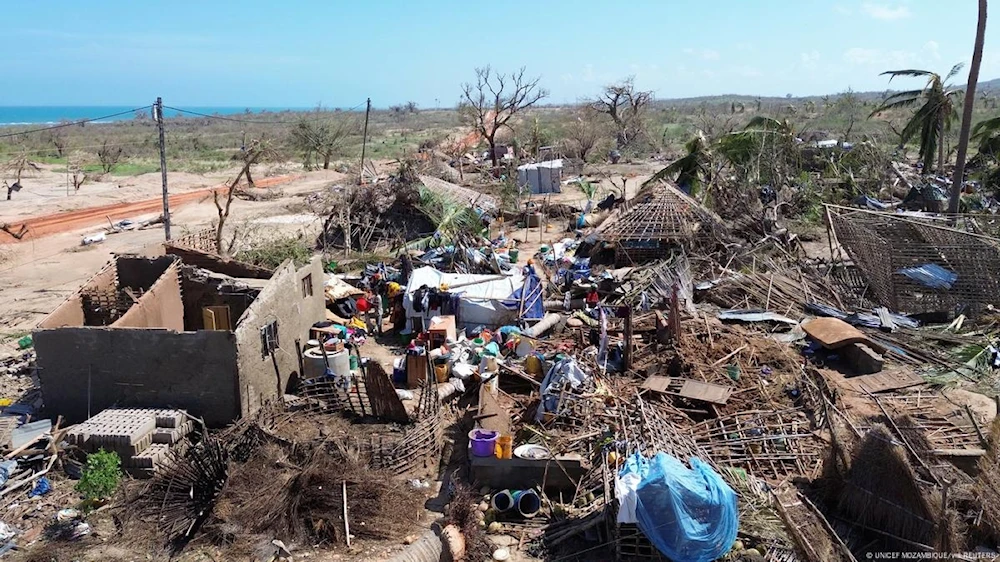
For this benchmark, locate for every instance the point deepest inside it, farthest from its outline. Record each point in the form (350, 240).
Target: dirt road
(38, 274)
(44, 225)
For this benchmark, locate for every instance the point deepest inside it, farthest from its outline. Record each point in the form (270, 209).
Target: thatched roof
(659, 212)
(882, 490)
(457, 194)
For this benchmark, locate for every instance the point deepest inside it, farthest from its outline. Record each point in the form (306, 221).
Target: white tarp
(482, 303)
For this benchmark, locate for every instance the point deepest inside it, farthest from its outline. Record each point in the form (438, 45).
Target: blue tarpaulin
(931, 275)
(534, 306)
(689, 514)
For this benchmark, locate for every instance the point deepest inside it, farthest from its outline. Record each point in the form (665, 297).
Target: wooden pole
(347, 526)
(364, 145)
(163, 166)
(627, 356)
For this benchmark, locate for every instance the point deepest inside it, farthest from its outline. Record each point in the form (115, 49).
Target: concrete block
(166, 435)
(169, 418)
(862, 359)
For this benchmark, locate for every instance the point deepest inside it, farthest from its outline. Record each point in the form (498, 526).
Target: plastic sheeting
(534, 306)
(564, 370)
(482, 304)
(689, 514)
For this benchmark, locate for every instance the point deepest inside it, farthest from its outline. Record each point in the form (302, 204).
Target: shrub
(274, 252)
(100, 476)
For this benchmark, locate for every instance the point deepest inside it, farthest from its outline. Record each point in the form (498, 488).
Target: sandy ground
(37, 275)
(45, 191)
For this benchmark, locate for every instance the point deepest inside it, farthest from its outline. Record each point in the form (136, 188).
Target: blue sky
(299, 53)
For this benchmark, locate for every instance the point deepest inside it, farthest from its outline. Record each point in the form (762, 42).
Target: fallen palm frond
(273, 496)
(182, 495)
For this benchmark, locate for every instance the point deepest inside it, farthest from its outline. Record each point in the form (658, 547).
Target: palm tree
(690, 170)
(986, 133)
(934, 117)
(970, 97)
(741, 149)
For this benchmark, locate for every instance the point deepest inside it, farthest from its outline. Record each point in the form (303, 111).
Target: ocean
(43, 115)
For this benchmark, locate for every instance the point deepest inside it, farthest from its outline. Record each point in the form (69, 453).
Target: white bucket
(339, 364)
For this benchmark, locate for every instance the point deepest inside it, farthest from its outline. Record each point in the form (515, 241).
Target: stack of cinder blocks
(142, 437)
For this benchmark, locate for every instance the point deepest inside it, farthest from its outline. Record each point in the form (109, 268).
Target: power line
(149, 142)
(62, 125)
(250, 121)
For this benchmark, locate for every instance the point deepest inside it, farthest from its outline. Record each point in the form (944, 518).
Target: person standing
(378, 305)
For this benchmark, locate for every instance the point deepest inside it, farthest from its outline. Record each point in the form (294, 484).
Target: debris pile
(654, 388)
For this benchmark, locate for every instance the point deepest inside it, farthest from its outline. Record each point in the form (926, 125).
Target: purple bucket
(483, 442)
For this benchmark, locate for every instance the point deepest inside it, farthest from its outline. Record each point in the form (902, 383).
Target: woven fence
(884, 246)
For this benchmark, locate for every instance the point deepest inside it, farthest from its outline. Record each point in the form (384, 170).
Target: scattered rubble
(656, 387)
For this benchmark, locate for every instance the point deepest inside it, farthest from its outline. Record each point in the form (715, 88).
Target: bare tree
(626, 107)
(323, 139)
(848, 105)
(58, 139)
(495, 98)
(109, 154)
(583, 133)
(16, 166)
(75, 166)
(255, 152)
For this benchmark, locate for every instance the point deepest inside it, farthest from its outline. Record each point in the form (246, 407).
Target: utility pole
(158, 114)
(364, 143)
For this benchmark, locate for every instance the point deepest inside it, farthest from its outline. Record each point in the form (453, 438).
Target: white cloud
(706, 54)
(885, 12)
(842, 10)
(886, 60)
(810, 58)
(747, 72)
(933, 49)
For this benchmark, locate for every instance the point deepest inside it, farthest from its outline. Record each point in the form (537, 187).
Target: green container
(513, 253)
(25, 342)
(354, 362)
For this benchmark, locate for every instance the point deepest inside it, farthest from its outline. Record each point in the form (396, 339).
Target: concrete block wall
(281, 300)
(161, 306)
(85, 370)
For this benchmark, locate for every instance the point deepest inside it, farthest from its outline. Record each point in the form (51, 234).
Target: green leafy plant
(273, 252)
(101, 475)
(588, 189)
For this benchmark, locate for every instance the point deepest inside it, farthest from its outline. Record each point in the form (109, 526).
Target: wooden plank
(687, 388)
(382, 395)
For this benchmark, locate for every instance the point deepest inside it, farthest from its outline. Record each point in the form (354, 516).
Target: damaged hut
(658, 220)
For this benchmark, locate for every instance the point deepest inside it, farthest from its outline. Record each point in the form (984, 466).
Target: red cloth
(363, 305)
(593, 298)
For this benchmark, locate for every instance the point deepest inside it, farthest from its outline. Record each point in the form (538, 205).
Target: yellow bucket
(533, 365)
(441, 372)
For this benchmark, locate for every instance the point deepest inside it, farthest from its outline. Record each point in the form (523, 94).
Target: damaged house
(198, 332)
